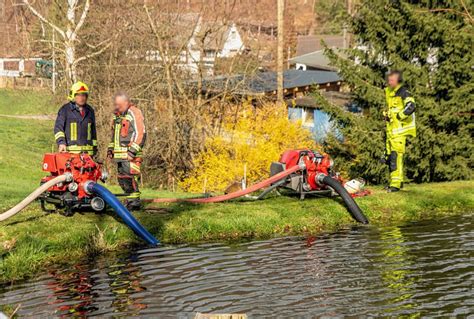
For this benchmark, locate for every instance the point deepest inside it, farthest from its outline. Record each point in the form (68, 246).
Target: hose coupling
(88, 187)
(104, 175)
(319, 179)
(69, 177)
(72, 187)
(302, 165)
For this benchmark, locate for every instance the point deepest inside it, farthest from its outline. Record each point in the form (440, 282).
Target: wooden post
(280, 45)
(346, 38)
(54, 62)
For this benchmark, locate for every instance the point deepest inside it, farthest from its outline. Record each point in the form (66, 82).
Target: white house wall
(233, 45)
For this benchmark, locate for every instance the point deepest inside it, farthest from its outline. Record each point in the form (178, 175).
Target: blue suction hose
(123, 213)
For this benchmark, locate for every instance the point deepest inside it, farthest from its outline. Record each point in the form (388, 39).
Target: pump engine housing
(72, 196)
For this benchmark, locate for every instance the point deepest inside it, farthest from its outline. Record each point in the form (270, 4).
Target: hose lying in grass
(352, 206)
(40, 190)
(275, 178)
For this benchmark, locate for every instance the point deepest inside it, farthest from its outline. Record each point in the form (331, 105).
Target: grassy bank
(31, 241)
(26, 102)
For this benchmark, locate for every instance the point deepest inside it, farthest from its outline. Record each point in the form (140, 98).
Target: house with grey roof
(310, 52)
(316, 60)
(297, 85)
(310, 43)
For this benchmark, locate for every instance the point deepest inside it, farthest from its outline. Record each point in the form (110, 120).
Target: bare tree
(70, 35)
(162, 60)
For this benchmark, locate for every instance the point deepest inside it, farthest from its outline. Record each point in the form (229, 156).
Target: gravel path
(31, 117)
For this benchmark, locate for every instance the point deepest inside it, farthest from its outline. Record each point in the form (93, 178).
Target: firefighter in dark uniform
(128, 139)
(75, 129)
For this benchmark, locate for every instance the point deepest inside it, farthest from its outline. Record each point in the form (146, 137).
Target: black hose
(352, 206)
(269, 189)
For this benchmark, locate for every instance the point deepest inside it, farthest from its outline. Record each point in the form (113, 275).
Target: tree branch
(93, 54)
(467, 11)
(83, 17)
(42, 18)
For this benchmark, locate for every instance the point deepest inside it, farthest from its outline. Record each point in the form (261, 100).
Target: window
(210, 53)
(308, 117)
(295, 113)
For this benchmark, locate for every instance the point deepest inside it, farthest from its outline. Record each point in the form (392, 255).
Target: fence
(17, 73)
(18, 67)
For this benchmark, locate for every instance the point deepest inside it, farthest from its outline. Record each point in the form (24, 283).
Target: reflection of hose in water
(40, 190)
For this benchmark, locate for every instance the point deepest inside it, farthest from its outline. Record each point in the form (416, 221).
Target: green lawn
(26, 102)
(32, 240)
(23, 143)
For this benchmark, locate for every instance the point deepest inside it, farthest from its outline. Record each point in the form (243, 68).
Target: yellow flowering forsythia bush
(254, 139)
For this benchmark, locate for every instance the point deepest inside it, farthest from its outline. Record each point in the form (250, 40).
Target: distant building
(296, 83)
(310, 43)
(202, 42)
(306, 110)
(310, 52)
(316, 60)
(17, 67)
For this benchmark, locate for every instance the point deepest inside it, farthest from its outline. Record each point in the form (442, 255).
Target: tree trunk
(69, 46)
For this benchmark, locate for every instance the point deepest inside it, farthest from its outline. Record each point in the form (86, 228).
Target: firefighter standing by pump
(400, 124)
(128, 139)
(75, 127)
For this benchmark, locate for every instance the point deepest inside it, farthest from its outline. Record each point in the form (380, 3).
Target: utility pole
(280, 44)
(346, 37)
(54, 63)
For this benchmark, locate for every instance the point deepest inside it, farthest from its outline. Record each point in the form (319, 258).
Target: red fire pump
(316, 176)
(310, 179)
(71, 196)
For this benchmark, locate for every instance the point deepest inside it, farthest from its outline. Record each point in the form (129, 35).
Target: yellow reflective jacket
(399, 123)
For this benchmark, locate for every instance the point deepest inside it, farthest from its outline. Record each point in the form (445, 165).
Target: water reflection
(416, 270)
(396, 271)
(71, 291)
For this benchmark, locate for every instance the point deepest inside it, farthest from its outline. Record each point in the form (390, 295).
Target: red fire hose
(222, 198)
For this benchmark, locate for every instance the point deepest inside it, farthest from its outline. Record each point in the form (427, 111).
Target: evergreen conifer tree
(432, 42)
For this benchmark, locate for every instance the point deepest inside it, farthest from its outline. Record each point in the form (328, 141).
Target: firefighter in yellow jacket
(400, 123)
(128, 139)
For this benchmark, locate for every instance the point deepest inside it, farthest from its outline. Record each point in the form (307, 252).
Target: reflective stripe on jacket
(77, 132)
(128, 134)
(399, 123)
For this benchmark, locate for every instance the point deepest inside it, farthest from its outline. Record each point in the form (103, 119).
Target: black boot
(392, 189)
(133, 204)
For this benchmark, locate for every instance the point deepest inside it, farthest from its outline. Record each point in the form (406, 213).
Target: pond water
(424, 268)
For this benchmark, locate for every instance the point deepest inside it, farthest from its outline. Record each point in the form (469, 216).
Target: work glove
(110, 154)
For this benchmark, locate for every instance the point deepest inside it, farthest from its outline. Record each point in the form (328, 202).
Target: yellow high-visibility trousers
(396, 150)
